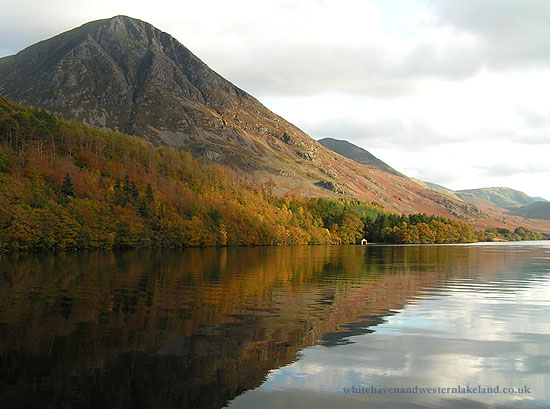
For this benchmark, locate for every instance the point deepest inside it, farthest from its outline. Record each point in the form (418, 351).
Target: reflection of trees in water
(197, 327)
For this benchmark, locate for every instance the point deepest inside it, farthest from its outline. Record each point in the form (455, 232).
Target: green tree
(3, 161)
(149, 194)
(67, 187)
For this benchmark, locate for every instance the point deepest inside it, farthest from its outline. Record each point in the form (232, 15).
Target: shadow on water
(196, 328)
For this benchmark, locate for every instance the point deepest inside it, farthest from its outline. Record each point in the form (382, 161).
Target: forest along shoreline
(67, 186)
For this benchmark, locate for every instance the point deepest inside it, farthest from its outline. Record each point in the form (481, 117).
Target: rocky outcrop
(331, 186)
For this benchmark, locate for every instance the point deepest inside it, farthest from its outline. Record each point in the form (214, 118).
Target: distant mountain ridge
(440, 189)
(536, 210)
(511, 201)
(501, 196)
(357, 154)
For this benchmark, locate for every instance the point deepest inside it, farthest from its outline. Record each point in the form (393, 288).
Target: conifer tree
(149, 193)
(67, 187)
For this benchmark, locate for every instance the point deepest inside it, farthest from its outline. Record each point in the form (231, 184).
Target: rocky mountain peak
(116, 73)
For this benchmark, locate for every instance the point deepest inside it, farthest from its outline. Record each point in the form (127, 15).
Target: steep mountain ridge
(113, 73)
(124, 74)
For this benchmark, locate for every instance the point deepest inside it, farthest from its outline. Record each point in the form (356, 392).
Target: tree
(149, 194)
(67, 187)
(3, 161)
(380, 223)
(351, 228)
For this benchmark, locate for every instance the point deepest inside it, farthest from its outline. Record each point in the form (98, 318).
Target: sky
(452, 92)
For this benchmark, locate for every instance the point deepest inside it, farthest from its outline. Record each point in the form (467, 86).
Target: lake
(452, 326)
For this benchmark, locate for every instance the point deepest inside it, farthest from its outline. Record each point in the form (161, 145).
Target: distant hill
(503, 199)
(501, 196)
(436, 186)
(440, 189)
(357, 154)
(537, 210)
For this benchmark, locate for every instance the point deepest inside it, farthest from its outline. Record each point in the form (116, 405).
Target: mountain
(537, 210)
(128, 76)
(503, 199)
(484, 198)
(501, 196)
(357, 154)
(438, 188)
(125, 75)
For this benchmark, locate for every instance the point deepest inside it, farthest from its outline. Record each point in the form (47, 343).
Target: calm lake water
(295, 327)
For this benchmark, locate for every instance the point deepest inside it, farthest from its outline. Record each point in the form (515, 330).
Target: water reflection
(487, 329)
(196, 328)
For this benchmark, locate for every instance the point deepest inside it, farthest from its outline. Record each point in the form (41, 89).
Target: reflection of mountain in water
(196, 328)
(353, 328)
